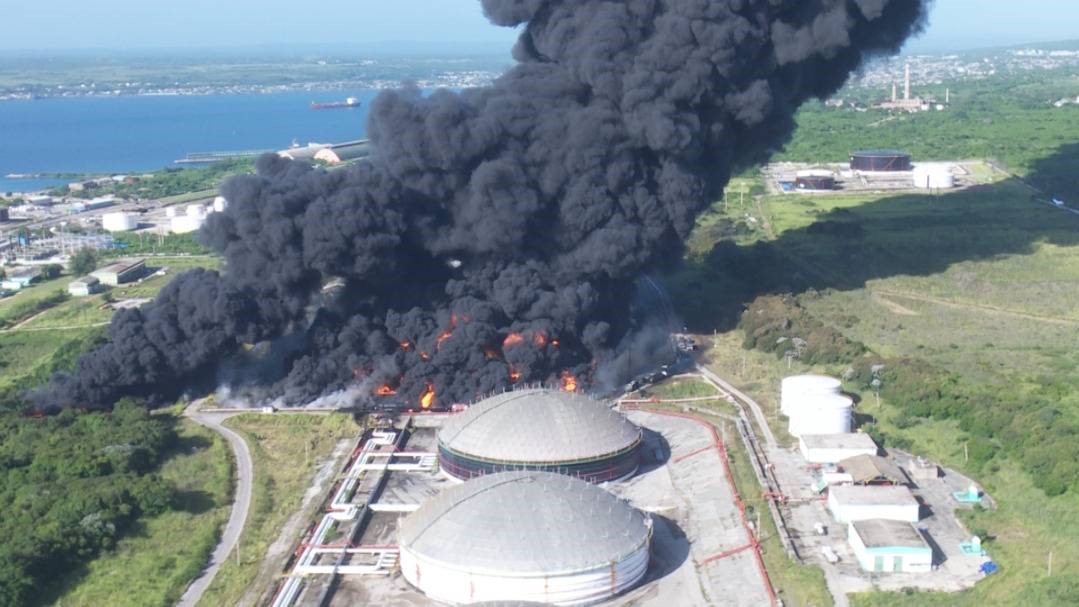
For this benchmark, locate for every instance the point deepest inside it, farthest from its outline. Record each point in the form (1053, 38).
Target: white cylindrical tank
(185, 223)
(220, 204)
(119, 222)
(831, 414)
(933, 177)
(170, 212)
(797, 388)
(196, 210)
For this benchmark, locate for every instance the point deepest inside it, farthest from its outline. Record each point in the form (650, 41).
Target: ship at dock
(351, 102)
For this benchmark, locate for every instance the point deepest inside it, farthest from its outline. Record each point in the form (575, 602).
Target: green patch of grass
(31, 300)
(155, 563)
(285, 449)
(28, 357)
(75, 312)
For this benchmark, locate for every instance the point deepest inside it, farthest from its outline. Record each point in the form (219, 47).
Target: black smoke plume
(495, 234)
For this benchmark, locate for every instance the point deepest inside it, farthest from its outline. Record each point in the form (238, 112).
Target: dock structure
(208, 157)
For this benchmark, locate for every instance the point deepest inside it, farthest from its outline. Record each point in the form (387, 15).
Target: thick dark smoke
(495, 234)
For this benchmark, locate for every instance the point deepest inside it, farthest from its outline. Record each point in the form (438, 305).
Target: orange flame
(515, 374)
(555, 343)
(385, 390)
(428, 397)
(425, 356)
(569, 382)
(443, 337)
(512, 339)
(539, 338)
(490, 353)
(406, 345)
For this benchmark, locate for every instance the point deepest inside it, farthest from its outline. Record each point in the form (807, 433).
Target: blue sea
(130, 134)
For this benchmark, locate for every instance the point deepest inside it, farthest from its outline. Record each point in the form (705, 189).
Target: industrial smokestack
(906, 83)
(494, 235)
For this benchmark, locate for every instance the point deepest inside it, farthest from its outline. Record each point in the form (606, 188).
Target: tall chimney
(906, 84)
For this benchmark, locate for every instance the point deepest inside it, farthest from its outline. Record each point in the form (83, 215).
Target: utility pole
(1049, 573)
(965, 454)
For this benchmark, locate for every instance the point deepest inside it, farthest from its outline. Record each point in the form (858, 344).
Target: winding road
(241, 503)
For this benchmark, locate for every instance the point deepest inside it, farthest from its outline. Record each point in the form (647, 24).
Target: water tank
(183, 224)
(119, 222)
(220, 204)
(196, 210)
(874, 161)
(170, 212)
(797, 388)
(832, 414)
(930, 177)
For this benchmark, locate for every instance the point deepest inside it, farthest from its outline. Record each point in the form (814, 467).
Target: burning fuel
(529, 206)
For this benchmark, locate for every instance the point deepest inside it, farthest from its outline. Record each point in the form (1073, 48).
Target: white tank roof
(821, 383)
(525, 522)
(538, 425)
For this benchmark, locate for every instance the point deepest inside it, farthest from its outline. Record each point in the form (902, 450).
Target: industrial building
(87, 285)
(873, 470)
(849, 503)
(120, 272)
(883, 546)
(814, 180)
(540, 429)
(880, 161)
(20, 278)
(524, 537)
(815, 405)
(933, 177)
(832, 448)
(119, 222)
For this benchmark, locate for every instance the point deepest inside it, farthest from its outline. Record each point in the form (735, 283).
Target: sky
(118, 24)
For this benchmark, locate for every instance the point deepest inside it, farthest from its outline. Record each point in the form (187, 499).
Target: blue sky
(57, 24)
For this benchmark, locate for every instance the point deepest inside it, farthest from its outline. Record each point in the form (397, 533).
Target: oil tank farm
(814, 180)
(880, 161)
(524, 537)
(793, 389)
(540, 429)
(933, 177)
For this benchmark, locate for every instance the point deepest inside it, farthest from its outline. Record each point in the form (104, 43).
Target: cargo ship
(347, 103)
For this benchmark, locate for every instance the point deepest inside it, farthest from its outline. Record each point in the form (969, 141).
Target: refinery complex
(546, 496)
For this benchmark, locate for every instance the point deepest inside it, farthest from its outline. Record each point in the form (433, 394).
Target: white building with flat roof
(883, 546)
(831, 448)
(861, 503)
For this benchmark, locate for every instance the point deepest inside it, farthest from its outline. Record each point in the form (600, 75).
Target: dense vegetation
(169, 182)
(128, 243)
(69, 487)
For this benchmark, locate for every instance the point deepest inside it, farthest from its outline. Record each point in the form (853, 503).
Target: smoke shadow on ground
(655, 451)
(901, 235)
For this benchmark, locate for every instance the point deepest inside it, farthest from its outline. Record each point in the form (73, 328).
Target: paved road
(240, 505)
(758, 413)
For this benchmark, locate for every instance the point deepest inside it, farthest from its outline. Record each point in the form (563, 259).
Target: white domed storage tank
(797, 388)
(933, 177)
(831, 414)
(524, 537)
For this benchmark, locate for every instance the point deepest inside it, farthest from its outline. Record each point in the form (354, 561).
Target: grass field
(286, 450)
(980, 282)
(154, 564)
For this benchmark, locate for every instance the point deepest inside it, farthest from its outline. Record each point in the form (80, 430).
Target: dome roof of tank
(538, 426)
(524, 522)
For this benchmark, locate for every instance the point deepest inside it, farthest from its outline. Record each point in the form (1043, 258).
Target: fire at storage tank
(539, 429)
(525, 536)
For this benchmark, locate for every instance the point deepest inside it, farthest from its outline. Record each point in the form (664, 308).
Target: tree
(52, 270)
(84, 261)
